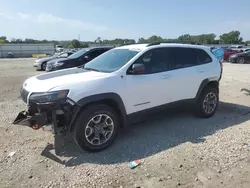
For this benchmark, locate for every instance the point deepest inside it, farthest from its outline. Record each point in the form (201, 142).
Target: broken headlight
(49, 96)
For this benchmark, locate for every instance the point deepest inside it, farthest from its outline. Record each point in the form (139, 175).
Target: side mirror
(86, 57)
(138, 68)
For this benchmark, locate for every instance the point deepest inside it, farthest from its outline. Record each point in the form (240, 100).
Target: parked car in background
(236, 47)
(59, 48)
(241, 58)
(245, 49)
(40, 63)
(228, 52)
(77, 59)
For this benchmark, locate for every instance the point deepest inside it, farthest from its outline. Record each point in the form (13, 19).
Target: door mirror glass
(86, 57)
(138, 69)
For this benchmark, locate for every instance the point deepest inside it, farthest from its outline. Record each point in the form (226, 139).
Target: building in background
(25, 50)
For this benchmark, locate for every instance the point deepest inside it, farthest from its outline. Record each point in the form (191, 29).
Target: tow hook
(36, 127)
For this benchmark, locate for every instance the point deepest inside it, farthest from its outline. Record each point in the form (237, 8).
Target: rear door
(188, 70)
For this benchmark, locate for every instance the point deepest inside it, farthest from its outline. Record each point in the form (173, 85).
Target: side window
(184, 57)
(203, 57)
(95, 53)
(156, 60)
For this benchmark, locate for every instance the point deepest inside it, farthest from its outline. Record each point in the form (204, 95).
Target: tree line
(232, 37)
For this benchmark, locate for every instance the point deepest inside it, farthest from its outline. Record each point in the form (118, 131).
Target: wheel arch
(205, 83)
(44, 62)
(111, 99)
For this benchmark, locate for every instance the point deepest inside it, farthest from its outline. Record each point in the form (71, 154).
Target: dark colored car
(40, 63)
(241, 58)
(77, 59)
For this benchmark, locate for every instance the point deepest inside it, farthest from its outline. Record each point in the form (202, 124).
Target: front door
(150, 89)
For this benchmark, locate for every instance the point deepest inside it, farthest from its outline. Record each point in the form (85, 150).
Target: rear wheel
(208, 102)
(240, 60)
(96, 127)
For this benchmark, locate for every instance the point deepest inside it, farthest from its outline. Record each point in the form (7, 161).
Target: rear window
(203, 57)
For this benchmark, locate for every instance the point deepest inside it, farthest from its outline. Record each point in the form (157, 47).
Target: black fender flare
(203, 84)
(94, 99)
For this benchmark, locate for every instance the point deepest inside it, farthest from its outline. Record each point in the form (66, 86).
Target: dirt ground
(176, 149)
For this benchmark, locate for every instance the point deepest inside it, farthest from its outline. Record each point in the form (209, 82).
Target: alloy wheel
(99, 129)
(210, 103)
(240, 60)
(44, 66)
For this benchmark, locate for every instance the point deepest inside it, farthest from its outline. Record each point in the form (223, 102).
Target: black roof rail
(154, 43)
(158, 43)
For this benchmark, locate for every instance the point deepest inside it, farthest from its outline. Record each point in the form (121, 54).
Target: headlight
(49, 96)
(38, 61)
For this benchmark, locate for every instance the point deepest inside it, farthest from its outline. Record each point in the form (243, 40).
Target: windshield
(77, 54)
(111, 60)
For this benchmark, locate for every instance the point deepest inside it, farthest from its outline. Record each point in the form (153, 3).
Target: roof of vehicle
(140, 47)
(98, 47)
(237, 46)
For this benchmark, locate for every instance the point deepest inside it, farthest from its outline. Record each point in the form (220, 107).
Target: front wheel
(96, 127)
(208, 102)
(43, 66)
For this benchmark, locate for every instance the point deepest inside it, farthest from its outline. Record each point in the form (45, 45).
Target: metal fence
(26, 50)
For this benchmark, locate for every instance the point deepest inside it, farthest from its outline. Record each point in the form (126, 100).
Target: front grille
(24, 94)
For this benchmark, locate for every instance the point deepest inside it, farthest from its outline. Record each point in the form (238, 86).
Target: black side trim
(142, 103)
(145, 114)
(95, 99)
(202, 86)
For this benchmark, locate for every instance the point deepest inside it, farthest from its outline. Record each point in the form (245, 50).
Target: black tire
(240, 60)
(200, 109)
(81, 123)
(43, 66)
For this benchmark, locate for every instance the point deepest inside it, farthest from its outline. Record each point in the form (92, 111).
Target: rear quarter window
(203, 57)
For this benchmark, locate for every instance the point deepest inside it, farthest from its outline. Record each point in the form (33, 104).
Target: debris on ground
(134, 164)
(11, 154)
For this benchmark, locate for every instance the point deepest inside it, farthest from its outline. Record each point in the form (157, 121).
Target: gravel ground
(176, 149)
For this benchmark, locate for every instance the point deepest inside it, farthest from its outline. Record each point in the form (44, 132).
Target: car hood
(49, 81)
(57, 60)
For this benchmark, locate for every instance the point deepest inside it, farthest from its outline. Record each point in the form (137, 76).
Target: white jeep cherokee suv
(121, 86)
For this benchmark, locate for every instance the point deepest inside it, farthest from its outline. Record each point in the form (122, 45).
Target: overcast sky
(109, 19)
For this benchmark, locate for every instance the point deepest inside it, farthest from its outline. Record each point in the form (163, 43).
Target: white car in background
(59, 48)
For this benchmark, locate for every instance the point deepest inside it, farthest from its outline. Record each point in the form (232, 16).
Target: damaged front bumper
(35, 121)
(56, 114)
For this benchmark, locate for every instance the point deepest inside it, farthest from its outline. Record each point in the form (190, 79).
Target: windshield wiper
(91, 69)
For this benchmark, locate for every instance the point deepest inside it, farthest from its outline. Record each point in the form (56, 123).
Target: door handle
(166, 76)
